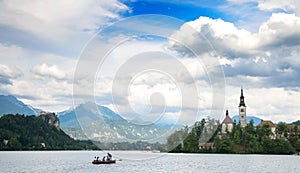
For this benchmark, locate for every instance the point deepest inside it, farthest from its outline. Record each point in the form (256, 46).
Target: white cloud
(280, 30)
(56, 26)
(257, 54)
(265, 61)
(50, 95)
(253, 59)
(35, 15)
(286, 5)
(8, 72)
(227, 40)
(53, 71)
(208, 35)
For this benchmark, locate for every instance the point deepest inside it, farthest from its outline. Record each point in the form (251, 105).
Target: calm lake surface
(140, 161)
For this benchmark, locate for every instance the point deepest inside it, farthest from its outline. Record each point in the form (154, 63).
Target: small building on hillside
(271, 125)
(292, 128)
(207, 146)
(227, 124)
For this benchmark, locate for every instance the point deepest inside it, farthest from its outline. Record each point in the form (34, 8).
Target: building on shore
(207, 146)
(271, 125)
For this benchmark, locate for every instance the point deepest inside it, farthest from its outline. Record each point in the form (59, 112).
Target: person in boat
(109, 156)
(104, 158)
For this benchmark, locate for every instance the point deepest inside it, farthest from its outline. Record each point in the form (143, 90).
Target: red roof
(227, 120)
(208, 144)
(263, 122)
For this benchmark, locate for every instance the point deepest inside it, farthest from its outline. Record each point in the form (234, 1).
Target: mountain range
(102, 124)
(99, 123)
(90, 121)
(11, 105)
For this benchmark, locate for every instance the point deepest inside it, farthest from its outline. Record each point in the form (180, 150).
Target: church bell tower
(242, 110)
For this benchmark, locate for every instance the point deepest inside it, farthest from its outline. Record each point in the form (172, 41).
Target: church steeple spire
(242, 99)
(242, 109)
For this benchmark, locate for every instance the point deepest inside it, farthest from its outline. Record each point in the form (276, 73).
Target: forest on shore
(20, 132)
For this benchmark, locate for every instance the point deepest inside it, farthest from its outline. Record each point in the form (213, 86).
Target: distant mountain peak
(11, 105)
(255, 119)
(100, 123)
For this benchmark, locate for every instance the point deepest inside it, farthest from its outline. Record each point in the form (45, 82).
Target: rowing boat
(103, 161)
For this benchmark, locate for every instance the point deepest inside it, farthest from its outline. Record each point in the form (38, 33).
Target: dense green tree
(191, 142)
(263, 132)
(297, 146)
(280, 146)
(223, 145)
(237, 134)
(249, 139)
(282, 129)
(19, 132)
(175, 140)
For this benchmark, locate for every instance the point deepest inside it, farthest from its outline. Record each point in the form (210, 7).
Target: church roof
(227, 120)
(208, 144)
(263, 122)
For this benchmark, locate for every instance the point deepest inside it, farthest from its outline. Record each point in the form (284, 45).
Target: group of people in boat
(108, 157)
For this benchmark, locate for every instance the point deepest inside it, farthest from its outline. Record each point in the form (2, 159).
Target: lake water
(140, 161)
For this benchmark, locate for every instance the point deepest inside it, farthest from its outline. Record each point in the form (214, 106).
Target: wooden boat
(103, 161)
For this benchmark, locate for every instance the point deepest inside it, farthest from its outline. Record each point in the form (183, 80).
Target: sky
(155, 60)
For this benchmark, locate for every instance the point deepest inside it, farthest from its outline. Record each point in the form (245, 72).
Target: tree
(282, 129)
(237, 135)
(263, 132)
(28, 132)
(191, 142)
(14, 144)
(175, 140)
(294, 137)
(223, 145)
(297, 146)
(281, 146)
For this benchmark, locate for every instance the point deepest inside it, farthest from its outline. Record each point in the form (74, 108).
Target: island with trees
(206, 137)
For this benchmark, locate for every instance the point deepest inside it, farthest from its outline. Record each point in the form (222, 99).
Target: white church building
(227, 123)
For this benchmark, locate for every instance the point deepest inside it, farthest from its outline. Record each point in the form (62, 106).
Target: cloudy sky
(188, 58)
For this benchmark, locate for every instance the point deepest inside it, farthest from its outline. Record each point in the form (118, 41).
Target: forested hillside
(19, 132)
(248, 140)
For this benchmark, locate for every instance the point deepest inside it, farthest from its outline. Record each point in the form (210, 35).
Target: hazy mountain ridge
(95, 122)
(100, 123)
(255, 119)
(11, 105)
(69, 118)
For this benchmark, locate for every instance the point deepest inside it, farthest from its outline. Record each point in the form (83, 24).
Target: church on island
(227, 123)
(227, 130)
